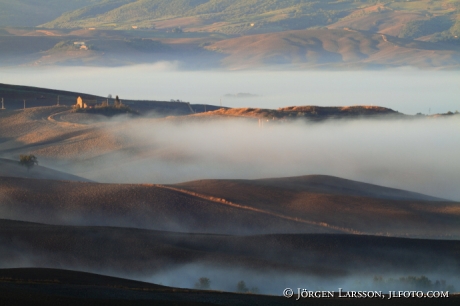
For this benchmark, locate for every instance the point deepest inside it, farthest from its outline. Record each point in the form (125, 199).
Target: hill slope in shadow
(11, 168)
(142, 254)
(315, 204)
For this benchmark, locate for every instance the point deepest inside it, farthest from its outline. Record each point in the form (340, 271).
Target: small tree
(203, 283)
(255, 290)
(117, 102)
(29, 161)
(241, 287)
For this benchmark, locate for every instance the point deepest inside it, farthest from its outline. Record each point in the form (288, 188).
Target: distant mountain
(28, 13)
(344, 48)
(235, 34)
(406, 18)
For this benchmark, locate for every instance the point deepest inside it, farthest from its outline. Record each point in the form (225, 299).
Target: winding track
(51, 118)
(228, 203)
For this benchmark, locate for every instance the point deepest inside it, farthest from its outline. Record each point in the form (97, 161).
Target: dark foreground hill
(316, 260)
(310, 204)
(54, 287)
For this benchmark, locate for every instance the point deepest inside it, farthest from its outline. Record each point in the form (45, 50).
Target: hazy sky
(406, 90)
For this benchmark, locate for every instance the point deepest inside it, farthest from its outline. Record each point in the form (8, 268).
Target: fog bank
(417, 155)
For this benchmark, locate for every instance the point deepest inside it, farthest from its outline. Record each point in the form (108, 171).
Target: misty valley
(214, 152)
(134, 195)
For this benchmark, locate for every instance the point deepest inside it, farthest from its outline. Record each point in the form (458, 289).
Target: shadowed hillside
(143, 254)
(297, 205)
(142, 206)
(13, 168)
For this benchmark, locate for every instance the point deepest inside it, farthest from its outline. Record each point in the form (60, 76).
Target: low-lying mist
(273, 283)
(419, 155)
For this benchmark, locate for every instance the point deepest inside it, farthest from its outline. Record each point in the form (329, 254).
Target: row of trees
(204, 283)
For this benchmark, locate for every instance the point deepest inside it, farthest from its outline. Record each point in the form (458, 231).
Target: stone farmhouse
(84, 103)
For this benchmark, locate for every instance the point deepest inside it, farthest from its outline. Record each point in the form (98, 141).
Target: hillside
(311, 113)
(40, 286)
(165, 256)
(11, 168)
(328, 48)
(22, 13)
(204, 34)
(242, 17)
(14, 96)
(313, 204)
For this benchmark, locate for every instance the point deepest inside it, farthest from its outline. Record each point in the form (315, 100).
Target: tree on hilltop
(203, 283)
(29, 161)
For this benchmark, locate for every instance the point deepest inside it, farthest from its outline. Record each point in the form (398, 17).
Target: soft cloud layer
(419, 155)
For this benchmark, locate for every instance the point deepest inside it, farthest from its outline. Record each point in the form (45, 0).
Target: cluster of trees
(418, 28)
(204, 283)
(422, 283)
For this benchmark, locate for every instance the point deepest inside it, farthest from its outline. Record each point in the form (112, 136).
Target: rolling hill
(242, 17)
(40, 286)
(312, 204)
(329, 48)
(233, 34)
(310, 113)
(11, 168)
(143, 255)
(14, 96)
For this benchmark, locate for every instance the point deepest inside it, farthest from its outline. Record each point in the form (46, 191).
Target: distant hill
(22, 13)
(260, 16)
(312, 113)
(329, 48)
(236, 34)
(231, 17)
